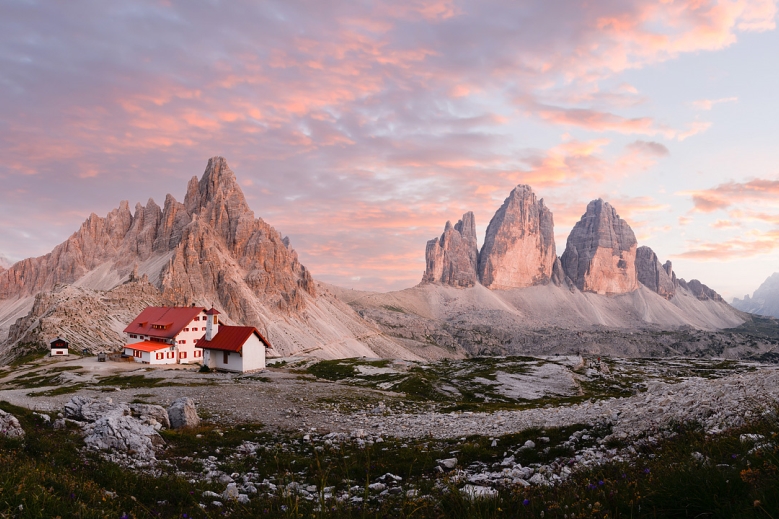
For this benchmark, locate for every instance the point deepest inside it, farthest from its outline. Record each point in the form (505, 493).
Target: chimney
(212, 324)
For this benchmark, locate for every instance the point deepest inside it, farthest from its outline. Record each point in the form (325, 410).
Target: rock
(519, 247)
(182, 413)
(699, 290)
(10, 426)
(600, 254)
(448, 463)
(87, 409)
(46, 418)
(117, 432)
(452, 259)
(155, 412)
(652, 274)
(231, 492)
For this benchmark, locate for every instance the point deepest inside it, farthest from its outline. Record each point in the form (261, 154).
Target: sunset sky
(358, 128)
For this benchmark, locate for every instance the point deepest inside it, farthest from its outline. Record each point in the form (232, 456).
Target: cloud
(707, 104)
(733, 249)
(649, 147)
(386, 117)
(731, 193)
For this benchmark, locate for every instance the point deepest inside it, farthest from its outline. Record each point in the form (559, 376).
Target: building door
(226, 357)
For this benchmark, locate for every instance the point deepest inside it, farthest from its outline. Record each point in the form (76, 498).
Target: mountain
(764, 301)
(600, 254)
(453, 258)
(210, 249)
(512, 296)
(519, 247)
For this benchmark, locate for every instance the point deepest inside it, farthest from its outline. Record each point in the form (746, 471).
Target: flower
(600, 482)
(526, 502)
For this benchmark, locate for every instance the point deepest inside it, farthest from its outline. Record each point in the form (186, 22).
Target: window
(133, 336)
(204, 328)
(198, 353)
(183, 341)
(137, 353)
(171, 354)
(186, 329)
(159, 356)
(182, 354)
(197, 318)
(226, 359)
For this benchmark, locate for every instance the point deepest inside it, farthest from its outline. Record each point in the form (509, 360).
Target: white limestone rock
(10, 426)
(183, 413)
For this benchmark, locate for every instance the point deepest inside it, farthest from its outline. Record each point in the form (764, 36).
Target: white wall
(59, 352)
(251, 358)
(234, 360)
(253, 354)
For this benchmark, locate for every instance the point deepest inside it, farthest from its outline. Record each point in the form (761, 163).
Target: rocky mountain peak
(519, 248)
(600, 253)
(452, 258)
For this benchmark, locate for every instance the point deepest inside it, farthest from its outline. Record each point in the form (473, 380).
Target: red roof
(213, 311)
(231, 338)
(173, 318)
(148, 346)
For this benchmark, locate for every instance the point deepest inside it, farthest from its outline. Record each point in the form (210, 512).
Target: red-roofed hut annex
(182, 335)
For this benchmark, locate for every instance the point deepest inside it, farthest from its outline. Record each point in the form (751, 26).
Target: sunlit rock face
(452, 259)
(519, 248)
(212, 250)
(653, 275)
(600, 254)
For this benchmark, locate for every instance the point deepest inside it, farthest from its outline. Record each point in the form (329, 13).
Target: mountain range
(764, 301)
(507, 296)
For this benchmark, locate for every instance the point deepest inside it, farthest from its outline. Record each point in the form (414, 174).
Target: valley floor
(483, 437)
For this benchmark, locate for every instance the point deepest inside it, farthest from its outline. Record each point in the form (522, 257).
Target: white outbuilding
(59, 347)
(232, 348)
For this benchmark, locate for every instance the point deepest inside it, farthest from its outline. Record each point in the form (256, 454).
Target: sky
(359, 128)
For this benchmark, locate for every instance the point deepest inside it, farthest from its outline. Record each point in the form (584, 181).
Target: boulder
(85, 409)
(600, 254)
(652, 274)
(123, 433)
(144, 412)
(452, 259)
(10, 426)
(182, 413)
(519, 247)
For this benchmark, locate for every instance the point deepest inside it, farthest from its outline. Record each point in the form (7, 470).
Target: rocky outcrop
(653, 275)
(453, 258)
(10, 426)
(764, 301)
(111, 428)
(519, 248)
(699, 290)
(600, 254)
(73, 312)
(183, 413)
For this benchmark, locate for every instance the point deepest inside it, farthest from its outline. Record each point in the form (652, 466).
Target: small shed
(59, 347)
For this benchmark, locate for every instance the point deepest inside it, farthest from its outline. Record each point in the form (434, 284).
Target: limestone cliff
(452, 259)
(600, 254)
(519, 248)
(653, 275)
